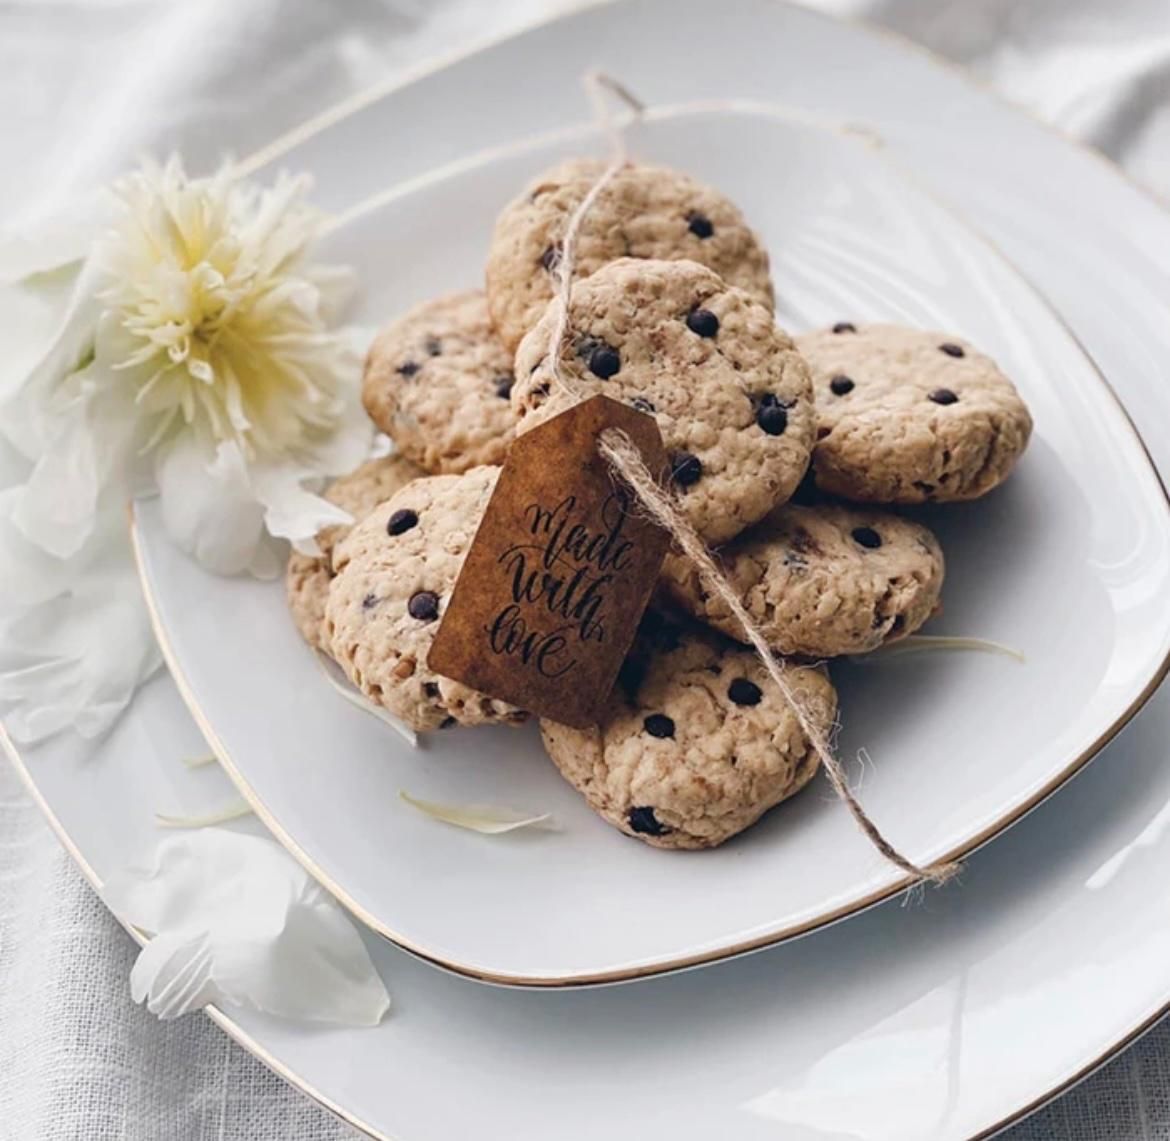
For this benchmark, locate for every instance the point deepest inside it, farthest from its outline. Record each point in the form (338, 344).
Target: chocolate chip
(773, 418)
(408, 368)
(643, 820)
(686, 469)
(604, 362)
(551, 257)
(944, 396)
(952, 350)
(643, 405)
(433, 346)
(402, 520)
(447, 723)
(703, 322)
(844, 327)
(424, 606)
(867, 537)
(744, 692)
(658, 725)
(699, 225)
(841, 385)
(369, 602)
(823, 431)
(504, 386)
(431, 688)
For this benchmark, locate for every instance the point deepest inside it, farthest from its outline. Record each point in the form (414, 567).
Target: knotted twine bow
(625, 459)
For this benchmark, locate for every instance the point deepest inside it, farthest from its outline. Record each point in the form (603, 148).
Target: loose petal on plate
(232, 918)
(487, 819)
(335, 678)
(917, 643)
(234, 811)
(198, 762)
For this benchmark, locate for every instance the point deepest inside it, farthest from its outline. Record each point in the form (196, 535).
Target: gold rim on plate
(224, 1021)
(772, 938)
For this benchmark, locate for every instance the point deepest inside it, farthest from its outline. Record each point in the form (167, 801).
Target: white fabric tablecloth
(85, 85)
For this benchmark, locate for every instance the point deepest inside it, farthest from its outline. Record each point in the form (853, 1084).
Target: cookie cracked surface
(437, 381)
(308, 577)
(645, 212)
(910, 416)
(699, 748)
(820, 581)
(395, 573)
(731, 395)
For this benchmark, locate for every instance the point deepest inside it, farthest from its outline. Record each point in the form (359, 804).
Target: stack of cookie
(672, 313)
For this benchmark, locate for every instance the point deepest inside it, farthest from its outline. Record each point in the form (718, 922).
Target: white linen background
(86, 86)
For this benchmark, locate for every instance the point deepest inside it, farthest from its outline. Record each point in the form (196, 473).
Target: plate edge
(630, 973)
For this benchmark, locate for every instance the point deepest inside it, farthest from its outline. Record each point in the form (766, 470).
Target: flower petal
(292, 512)
(66, 346)
(75, 638)
(235, 919)
(209, 508)
(61, 240)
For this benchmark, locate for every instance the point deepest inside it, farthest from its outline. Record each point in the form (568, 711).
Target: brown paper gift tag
(559, 572)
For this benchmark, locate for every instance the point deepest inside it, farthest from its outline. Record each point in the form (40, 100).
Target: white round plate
(937, 1022)
(1069, 563)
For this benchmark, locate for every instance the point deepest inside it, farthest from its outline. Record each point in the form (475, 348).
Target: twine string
(625, 459)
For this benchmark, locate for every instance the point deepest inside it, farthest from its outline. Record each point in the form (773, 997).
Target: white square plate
(1069, 563)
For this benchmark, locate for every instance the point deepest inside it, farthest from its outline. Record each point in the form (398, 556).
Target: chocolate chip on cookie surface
(909, 416)
(395, 573)
(644, 212)
(820, 581)
(438, 380)
(698, 749)
(308, 577)
(732, 400)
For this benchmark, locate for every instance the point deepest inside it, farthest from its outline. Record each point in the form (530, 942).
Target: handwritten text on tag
(559, 572)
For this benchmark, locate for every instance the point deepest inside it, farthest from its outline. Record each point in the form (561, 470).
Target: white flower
(233, 918)
(171, 335)
(198, 354)
(215, 321)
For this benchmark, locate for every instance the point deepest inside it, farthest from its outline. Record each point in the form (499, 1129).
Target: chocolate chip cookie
(909, 416)
(395, 573)
(731, 395)
(820, 581)
(645, 212)
(308, 576)
(437, 382)
(698, 743)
